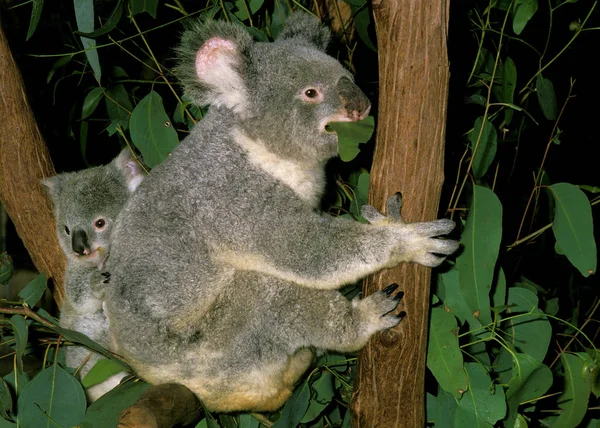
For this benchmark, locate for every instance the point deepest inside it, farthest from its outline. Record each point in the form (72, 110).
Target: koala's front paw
(417, 242)
(374, 309)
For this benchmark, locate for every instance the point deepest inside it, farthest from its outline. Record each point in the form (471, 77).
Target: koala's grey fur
(86, 204)
(224, 274)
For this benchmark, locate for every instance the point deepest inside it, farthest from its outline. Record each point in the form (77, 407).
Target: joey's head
(283, 94)
(86, 205)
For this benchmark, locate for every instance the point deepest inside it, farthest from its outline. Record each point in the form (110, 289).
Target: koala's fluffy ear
(306, 28)
(211, 66)
(52, 186)
(131, 169)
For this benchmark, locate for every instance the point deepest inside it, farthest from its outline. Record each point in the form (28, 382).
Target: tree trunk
(409, 155)
(24, 161)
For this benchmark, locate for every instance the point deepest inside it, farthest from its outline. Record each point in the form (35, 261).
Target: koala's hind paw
(433, 250)
(374, 310)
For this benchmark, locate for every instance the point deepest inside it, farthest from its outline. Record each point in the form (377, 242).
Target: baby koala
(86, 204)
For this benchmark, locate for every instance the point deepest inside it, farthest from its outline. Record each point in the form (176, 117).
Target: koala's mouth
(342, 116)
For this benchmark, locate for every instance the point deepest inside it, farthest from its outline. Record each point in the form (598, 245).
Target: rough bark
(409, 154)
(24, 161)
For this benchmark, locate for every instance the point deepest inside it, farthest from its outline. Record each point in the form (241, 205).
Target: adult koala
(224, 275)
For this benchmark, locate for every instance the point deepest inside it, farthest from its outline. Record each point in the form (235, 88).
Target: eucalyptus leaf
(441, 409)
(481, 240)
(33, 292)
(509, 82)
(243, 6)
(53, 397)
(118, 105)
(573, 402)
(36, 13)
(351, 134)
(7, 268)
(484, 401)
(295, 408)
(484, 152)
(6, 402)
(530, 333)
(450, 293)
(139, 6)
(546, 97)
(91, 101)
(102, 370)
(19, 326)
(444, 357)
(105, 411)
(84, 15)
(573, 227)
(523, 11)
(152, 131)
(362, 21)
(323, 394)
(109, 24)
(247, 421)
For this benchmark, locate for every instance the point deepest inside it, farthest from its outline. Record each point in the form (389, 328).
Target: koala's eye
(100, 224)
(67, 231)
(311, 93)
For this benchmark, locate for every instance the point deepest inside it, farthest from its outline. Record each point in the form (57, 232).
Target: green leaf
(118, 105)
(17, 380)
(573, 227)
(244, 5)
(450, 293)
(91, 101)
(509, 82)
(152, 131)
(362, 21)
(324, 391)
(444, 358)
(357, 3)
(53, 397)
(247, 421)
(105, 411)
(576, 393)
(36, 13)
(441, 409)
(139, 6)
(483, 403)
(6, 268)
(481, 240)
(351, 134)
(21, 333)
(294, 408)
(84, 15)
(6, 402)
(546, 97)
(522, 13)
(33, 292)
(529, 333)
(484, 152)
(499, 293)
(102, 370)
(109, 24)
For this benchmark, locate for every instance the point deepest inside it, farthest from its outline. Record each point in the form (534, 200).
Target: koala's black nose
(79, 243)
(354, 101)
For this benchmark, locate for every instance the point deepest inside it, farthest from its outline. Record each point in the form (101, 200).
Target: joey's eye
(67, 231)
(100, 223)
(311, 93)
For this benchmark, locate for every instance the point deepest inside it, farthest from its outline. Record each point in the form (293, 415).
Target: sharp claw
(399, 296)
(390, 289)
(401, 315)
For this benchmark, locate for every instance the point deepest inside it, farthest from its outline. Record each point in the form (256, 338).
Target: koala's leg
(328, 320)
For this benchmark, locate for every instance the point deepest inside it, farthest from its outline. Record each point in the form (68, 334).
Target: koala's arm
(85, 289)
(327, 252)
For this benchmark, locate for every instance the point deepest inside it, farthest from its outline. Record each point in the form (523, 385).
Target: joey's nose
(354, 101)
(79, 243)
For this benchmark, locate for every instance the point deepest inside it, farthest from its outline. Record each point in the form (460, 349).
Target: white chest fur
(307, 181)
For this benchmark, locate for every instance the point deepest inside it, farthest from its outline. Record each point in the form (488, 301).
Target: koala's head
(86, 204)
(284, 93)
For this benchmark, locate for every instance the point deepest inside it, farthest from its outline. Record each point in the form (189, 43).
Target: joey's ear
(52, 186)
(131, 169)
(211, 66)
(306, 28)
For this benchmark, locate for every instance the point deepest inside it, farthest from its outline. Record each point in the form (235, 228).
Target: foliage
(511, 361)
(507, 347)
